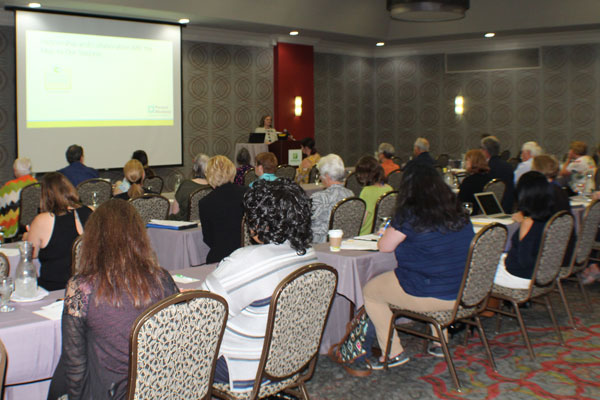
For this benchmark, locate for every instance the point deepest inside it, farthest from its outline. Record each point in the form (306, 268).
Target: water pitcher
(26, 276)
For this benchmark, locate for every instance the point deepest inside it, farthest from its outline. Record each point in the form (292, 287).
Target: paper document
(178, 278)
(352, 244)
(166, 224)
(371, 237)
(52, 311)
(482, 221)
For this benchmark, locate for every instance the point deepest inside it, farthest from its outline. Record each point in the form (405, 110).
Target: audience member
(278, 214)
(535, 204)
(243, 160)
(134, 174)
(53, 231)
(142, 157)
(578, 165)
(311, 158)
(221, 210)
(421, 154)
(499, 169)
(370, 174)
(548, 166)
(10, 195)
(528, 151)
(117, 280)
(385, 152)
(478, 170)
(430, 235)
(266, 165)
(332, 172)
(189, 186)
(77, 171)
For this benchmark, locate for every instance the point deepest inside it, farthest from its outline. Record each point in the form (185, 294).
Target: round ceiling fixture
(427, 11)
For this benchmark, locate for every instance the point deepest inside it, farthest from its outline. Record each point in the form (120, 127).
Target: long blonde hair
(134, 173)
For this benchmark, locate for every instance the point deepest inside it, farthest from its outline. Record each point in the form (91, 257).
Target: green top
(370, 194)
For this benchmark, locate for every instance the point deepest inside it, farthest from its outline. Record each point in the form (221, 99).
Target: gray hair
(199, 166)
(22, 166)
(533, 148)
(332, 165)
(386, 149)
(422, 144)
(491, 144)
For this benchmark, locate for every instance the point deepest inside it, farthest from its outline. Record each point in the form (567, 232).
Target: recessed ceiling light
(34, 5)
(489, 34)
(379, 44)
(294, 33)
(184, 21)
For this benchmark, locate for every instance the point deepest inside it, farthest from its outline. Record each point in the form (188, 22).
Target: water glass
(7, 286)
(468, 207)
(95, 200)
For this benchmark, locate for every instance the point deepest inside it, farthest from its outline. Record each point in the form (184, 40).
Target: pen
(385, 227)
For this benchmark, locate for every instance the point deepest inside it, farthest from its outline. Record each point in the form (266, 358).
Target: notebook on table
(489, 204)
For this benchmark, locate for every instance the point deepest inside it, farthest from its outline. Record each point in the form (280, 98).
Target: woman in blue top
(430, 235)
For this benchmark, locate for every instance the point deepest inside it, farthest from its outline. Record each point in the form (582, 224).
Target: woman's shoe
(435, 350)
(400, 359)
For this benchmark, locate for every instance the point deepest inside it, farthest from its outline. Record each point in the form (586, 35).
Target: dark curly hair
(278, 211)
(427, 203)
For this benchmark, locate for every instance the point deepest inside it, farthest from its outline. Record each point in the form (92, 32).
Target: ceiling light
(294, 33)
(184, 21)
(427, 10)
(379, 44)
(490, 34)
(34, 5)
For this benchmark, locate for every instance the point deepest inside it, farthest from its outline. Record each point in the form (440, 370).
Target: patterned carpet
(559, 372)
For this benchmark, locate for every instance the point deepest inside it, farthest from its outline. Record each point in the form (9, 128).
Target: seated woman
(478, 170)
(53, 231)
(189, 186)
(370, 174)
(278, 214)
(535, 204)
(311, 159)
(243, 160)
(9, 196)
(118, 279)
(430, 235)
(134, 174)
(221, 210)
(141, 156)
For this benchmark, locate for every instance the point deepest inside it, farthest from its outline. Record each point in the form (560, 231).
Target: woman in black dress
(478, 170)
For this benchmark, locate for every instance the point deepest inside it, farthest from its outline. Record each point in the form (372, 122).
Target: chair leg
(485, 342)
(388, 347)
(447, 356)
(584, 292)
(303, 391)
(553, 317)
(523, 329)
(561, 291)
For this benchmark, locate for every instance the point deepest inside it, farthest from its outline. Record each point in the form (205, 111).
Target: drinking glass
(95, 199)
(7, 286)
(468, 207)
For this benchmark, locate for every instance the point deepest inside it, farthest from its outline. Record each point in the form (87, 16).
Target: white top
(522, 168)
(579, 168)
(247, 280)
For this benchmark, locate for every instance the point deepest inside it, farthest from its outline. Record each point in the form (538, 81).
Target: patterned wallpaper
(361, 102)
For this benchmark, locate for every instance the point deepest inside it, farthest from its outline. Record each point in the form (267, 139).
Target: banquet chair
(477, 280)
(497, 187)
(394, 178)
(286, 171)
(87, 188)
(348, 215)
(76, 254)
(297, 314)
(29, 204)
(397, 161)
(246, 236)
(553, 246)
(443, 160)
(384, 208)
(151, 206)
(154, 184)
(193, 207)
(174, 347)
(3, 359)
(249, 177)
(581, 255)
(313, 175)
(353, 184)
(4, 267)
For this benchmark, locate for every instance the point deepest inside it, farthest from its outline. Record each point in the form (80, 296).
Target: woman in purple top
(243, 160)
(117, 280)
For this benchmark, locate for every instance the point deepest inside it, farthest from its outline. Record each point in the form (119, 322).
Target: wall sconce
(459, 105)
(298, 106)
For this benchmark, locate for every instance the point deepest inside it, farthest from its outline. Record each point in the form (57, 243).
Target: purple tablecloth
(178, 249)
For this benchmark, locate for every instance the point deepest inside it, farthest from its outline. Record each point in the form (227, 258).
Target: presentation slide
(108, 85)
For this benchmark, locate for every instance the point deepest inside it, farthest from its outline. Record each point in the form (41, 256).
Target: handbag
(356, 344)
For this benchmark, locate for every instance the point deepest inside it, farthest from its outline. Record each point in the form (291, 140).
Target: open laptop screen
(488, 203)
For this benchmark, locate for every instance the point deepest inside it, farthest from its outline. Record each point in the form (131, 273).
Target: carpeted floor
(559, 372)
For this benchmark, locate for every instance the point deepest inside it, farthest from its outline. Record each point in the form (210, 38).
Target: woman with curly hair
(430, 235)
(278, 214)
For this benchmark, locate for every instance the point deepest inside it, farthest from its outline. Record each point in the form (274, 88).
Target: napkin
(184, 279)
(10, 252)
(52, 311)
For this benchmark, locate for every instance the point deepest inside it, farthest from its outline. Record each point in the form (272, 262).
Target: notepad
(175, 225)
(352, 244)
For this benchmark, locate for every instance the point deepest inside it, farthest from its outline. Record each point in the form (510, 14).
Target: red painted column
(294, 76)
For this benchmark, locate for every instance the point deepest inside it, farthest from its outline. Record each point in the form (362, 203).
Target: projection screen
(111, 86)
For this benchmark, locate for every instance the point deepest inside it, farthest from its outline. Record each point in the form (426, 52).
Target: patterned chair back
(4, 266)
(313, 174)
(353, 184)
(246, 238)
(3, 357)
(394, 178)
(384, 208)
(87, 188)
(249, 177)
(151, 206)
(76, 255)
(29, 204)
(497, 187)
(174, 347)
(442, 160)
(286, 171)
(195, 197)
(154, 184)
(555, 240)
(586, 237)
(348, 215)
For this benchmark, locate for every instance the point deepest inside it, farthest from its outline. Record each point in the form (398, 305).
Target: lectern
(280, 149)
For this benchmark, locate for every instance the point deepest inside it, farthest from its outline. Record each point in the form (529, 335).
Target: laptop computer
(256, 137)
(489, 204)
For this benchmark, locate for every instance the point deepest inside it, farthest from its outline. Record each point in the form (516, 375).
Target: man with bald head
(421, 153)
